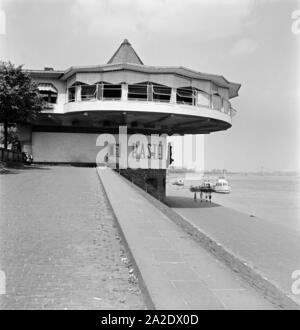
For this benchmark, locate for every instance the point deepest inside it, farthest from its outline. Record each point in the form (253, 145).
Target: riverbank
(274, 198)
(174, 271)
(270, 249)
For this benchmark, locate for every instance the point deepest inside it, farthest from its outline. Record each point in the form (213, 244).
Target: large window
(71, 94)
(161, 93)
(217, 102)
(226, 106)
(185, 96)
(88, 92)
(203, 99)
(112, 92)
(137, 92)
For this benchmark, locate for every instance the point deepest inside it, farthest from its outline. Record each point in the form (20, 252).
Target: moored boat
(222, 186)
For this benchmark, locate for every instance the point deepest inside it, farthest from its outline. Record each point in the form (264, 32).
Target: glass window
(49, 97)
(112, 91)
(137, 92)
(226, 106)
(161, 93)
(203, 99)
(88, 92)
(48, 93)
(71, 94)
(185, 96)
(216, 102)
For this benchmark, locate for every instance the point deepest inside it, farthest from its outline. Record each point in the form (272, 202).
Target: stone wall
(151, 180)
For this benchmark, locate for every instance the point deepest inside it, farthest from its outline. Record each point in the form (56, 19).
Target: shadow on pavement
(16, 169)
(4, 171)
(186, 202)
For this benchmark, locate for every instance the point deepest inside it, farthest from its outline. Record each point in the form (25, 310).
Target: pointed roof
(125, 54)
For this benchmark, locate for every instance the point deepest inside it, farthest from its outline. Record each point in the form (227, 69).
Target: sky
(249, 42)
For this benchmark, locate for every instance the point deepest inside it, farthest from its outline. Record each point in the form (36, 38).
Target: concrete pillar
(195, 97)
(78, 93)
(99, 95)
(150, 92)
(124, 96)
(173, 95)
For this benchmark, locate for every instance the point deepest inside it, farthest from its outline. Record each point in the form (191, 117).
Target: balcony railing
(150, 93)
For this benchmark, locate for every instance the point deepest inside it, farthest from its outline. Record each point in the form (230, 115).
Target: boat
(179, 182)
(222, 186)
(205, 187)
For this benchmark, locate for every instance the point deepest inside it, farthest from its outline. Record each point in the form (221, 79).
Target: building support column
(150, 93)
(195, 97)
(78, 93)
(173, 95)
(99, 95)
(124, 95)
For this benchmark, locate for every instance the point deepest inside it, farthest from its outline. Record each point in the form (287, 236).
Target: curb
(147, 297)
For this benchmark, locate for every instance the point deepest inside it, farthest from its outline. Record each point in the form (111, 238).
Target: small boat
(179, 182)
(205, 187)
(222, 186)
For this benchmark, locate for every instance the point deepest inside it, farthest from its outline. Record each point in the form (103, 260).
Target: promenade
(66, 232)
(59, 246)
(270, 250)
(175, 272)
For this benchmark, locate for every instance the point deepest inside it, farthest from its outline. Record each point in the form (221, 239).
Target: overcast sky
(247, 41)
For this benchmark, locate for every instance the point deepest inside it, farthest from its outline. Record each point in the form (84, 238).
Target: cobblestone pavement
(59, 246)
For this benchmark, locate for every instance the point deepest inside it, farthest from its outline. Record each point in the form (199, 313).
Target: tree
(12, 137)
(20, 101)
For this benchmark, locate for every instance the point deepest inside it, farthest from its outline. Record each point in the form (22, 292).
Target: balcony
(144, 94)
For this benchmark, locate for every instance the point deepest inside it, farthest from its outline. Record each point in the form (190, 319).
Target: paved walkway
(59, 245)
(270, 249)
(176, 271)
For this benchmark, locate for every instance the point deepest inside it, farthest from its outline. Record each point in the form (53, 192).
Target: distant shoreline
(220, 173)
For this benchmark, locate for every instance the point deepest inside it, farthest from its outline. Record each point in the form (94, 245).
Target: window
(112, 91)
(137, 92)
(203, 99)
(48, 92)
(226, 106)
(71, 94)
(88, 92)
(161, 93)
(216, 102)
(185, 96)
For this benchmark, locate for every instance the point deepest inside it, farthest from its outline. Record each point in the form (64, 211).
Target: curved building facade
(83, 102)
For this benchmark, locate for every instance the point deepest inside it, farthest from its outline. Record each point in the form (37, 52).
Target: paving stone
(58, 240)
(197, 295)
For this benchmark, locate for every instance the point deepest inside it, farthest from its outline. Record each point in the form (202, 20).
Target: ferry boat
(222, 186)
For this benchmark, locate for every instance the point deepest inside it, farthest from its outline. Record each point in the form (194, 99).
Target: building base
(151, 180)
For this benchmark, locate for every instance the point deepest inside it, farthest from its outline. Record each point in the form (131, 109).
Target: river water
(274, 198)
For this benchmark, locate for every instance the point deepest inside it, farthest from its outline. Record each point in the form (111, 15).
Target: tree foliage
(20, 101)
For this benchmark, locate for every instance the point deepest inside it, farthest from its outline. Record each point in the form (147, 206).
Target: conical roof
(125, 54)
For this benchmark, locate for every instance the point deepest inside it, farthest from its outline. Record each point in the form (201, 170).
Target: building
(85, 102)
